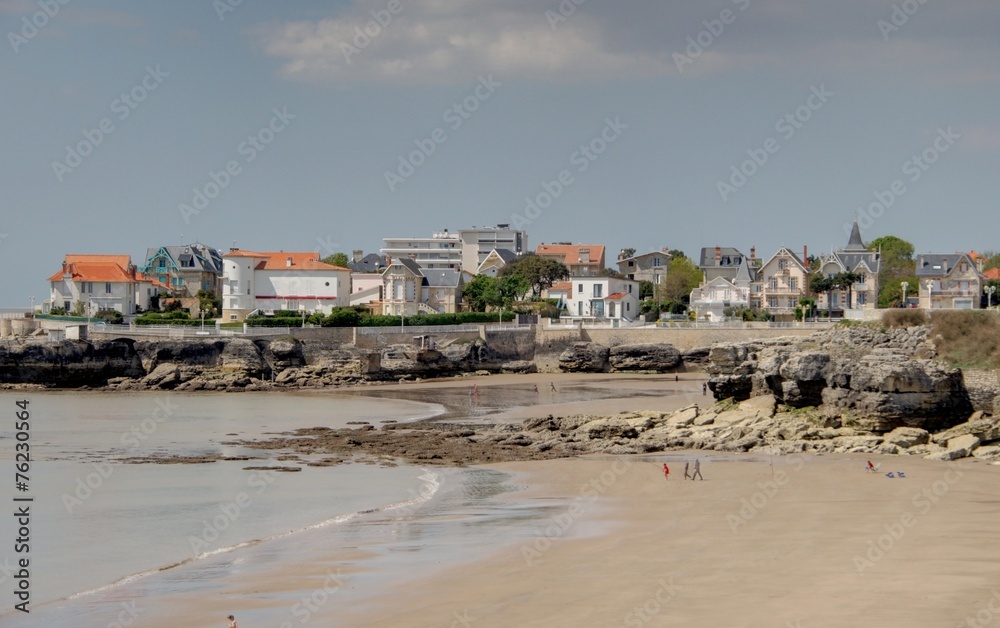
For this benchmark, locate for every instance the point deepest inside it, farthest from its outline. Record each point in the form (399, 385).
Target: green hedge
(460, 318)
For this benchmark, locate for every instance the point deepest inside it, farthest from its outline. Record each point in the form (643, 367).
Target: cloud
(446, 41)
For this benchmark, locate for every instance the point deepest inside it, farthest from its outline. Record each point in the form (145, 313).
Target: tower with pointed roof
(855, 258)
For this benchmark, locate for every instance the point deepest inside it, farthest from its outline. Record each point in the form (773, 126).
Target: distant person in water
(697, 470)
(666, 471)
(232, 621)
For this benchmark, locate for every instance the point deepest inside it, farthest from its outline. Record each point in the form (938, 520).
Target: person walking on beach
(535, 387)
(232, 621)
(704, 389)
(475, 390)
(686, 476)
(552, 387)
(697, 470)
(666, 471)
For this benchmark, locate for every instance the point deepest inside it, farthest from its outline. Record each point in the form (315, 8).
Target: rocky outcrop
(658, 358)
(876, 381)
(71, 363)
(584, 357)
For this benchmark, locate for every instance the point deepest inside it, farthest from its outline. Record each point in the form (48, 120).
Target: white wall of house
(97, 295)
(590, 298)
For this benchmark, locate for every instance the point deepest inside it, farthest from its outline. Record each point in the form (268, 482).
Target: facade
(723, 261)
(711, 299)
(949, 282)
(605, 298)
(100, 282)
(268, 281)
(459, 250)
(366, 277)
(409, 289)
(854, 258)
(495, 260)
(783, 280)
(479, 242)
(185, 269)
(582, 260)
(646, 267)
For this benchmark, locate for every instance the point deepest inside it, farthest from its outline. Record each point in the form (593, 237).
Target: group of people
(688, 475)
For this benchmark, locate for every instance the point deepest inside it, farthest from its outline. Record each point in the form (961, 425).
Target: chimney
(944, 266)
(358, 254)
(753, 253)
(718, 255)
(288, 261)
(805, 255)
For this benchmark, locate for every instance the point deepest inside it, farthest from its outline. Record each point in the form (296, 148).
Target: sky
(328, 126)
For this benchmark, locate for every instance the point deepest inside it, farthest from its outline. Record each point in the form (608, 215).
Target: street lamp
(32, 311)
(930, 294)
(989, 290)
(904, 285)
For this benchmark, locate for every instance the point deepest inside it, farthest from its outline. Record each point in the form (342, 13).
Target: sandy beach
(795, 541)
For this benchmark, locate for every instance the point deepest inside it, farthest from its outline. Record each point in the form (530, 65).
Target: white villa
(854, 258)
(711, 299)
(604, 298)
(409, 289)
(949, 282)
(100, 282)
(268, 281)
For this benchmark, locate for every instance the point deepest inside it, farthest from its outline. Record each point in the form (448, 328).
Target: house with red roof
(90, 283)
(582, 260)
(281, 280)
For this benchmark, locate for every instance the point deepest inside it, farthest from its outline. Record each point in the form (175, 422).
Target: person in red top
(666, 471)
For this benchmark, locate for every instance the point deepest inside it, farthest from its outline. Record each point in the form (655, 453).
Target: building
(712, 299)
(495, 260)
(185, 269)
(268, 281)
(582, 260)
(479, 242)
(90, 283)
(409, 289)
(853, 258)
(949, 282)
(650, 267)
(783, 280)
(366, 277)
(723, 261)
(604, 298)
(459, 250)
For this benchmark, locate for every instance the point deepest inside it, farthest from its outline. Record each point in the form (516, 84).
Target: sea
(111, 542)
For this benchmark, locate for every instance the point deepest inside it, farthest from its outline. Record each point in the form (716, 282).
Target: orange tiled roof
(156, 282)
(617, 296)
(570, 253)
(108, 268)
(993, 273)
(277, 260)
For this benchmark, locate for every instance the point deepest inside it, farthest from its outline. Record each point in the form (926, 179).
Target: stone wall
(685, 339)
(983, 387)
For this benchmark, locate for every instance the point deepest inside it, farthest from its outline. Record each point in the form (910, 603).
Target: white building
(281, 280)
(603, 298)
(90, 283)
(713, 298)
(464, 249)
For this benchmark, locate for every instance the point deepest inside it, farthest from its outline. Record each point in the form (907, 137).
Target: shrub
(342, 317)
(110, 316)
(904, 318)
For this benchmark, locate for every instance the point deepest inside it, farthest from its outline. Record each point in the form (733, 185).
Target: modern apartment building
(464, 249)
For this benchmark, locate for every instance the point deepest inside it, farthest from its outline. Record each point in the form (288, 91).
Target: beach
(801, 540)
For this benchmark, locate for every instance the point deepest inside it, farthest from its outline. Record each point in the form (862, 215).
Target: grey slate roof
(730, 257)
(411, 265)
(856, 252)
(202, 257)
(371, 263)
(933, 264)
(506, 255)
(856, 243)
(744, 273)
(435, 278)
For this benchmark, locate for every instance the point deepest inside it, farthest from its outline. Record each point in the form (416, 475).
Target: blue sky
(489, 104)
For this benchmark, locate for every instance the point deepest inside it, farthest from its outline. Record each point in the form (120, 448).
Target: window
(598, 290)
(782, 265)
(791, 302)
(161, 263)
(628, 307)
(657, 262)
(793, 284)
(107, 287)
(579, 287)
(772, 284)
(862, 298)
(772, 302)
(232, 317)
(88, 286)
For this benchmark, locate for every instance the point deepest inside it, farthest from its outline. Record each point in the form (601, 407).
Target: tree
(506, 290)
(897, 265)
(845, 281)
(611, 272)
(475, 292)
(626, 253)
(821, 284)
(337, 259)
(209, 303)
(646, 290)
(992, 260)
(539, 272)
(682, 277)
(805, 309)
